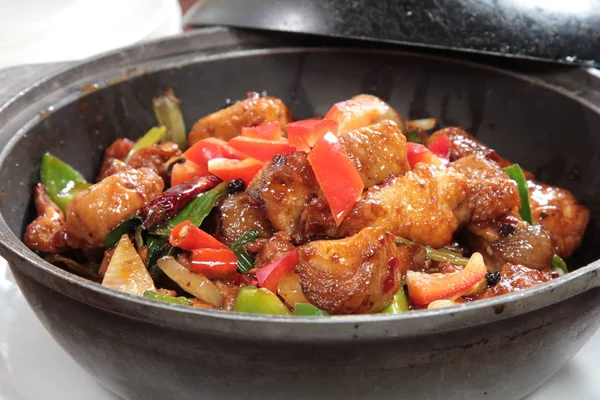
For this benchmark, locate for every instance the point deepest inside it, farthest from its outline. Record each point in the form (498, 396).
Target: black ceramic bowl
(501, 348)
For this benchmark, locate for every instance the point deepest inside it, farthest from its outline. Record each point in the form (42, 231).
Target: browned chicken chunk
(492, 193)
(118, 150)
(463, 144)
(359, 274)
(560, 214)
(511, 240)
(228, 123)
(46, 233)
(282, 189)
(363, 110)
(286, 188)
(96, 211)
(272, 249)
(423, 205)
(155, 157)
(377, 151)
(238, 215)
(514, 278)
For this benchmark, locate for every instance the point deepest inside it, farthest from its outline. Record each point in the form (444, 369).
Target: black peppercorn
(506, 230)
(492, 278)
(235, 186)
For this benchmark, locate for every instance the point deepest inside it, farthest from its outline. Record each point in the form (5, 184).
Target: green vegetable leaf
(127, 226)
(195, 211)
(167, 299)
(167, 112)
(157, 247)
(414, 137)
(559, 264)
(153, 136)
(399, 303)
(62, 181)
(516, 173)
(239, 248)
(306, 309)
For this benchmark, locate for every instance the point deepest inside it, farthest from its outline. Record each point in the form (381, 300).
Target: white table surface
(29, 354)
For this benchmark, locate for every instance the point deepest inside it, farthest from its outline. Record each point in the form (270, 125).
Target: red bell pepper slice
(424, 288)
(337, 176)
(303, 135)
(188, 236)
(214, 263)
(207, 149)
(185, 171)
(441, 148)
(261, 149)
(268, 131)
(269, 276)
(416, 153)
(229, 170)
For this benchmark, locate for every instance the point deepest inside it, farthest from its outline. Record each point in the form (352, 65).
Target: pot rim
(576, 282)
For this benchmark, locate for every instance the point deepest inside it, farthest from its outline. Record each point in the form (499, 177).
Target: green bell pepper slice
(399, 303)
(152, 137)
(516, 173)
(62, 181)
(306, 309)
(184, 301)
(559, 264)
(250, 299)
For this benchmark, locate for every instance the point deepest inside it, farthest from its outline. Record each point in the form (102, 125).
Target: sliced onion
(126, 271)
(195, 284)
(441, 304)
(425, 124)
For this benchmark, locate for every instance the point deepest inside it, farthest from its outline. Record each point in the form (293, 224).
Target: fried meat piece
(359, 274)
(492, 193)
(560, 214)
(511, 240)
(228, 122)
(46, 233)
(286, 188)
(96, 211)
(237, 216)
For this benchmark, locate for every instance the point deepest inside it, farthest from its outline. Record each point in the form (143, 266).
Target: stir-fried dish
(360, 211)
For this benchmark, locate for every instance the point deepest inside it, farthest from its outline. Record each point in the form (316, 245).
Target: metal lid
(551, 30)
